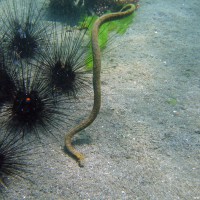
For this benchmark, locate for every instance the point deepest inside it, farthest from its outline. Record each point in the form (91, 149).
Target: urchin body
(27, 107)
(63, 77)
(22, 41)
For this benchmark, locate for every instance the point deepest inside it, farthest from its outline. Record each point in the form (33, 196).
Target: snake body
(125, 11)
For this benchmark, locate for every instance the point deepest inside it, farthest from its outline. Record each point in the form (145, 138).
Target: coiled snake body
(126, 10)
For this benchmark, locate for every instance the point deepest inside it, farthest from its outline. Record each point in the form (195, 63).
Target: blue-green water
(142, 145)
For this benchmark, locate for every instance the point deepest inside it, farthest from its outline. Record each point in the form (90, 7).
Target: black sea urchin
(24, 34)
(65, 61)
(33, 109)
(14, 159)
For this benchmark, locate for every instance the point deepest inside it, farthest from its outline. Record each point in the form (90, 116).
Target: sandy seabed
(145, 143)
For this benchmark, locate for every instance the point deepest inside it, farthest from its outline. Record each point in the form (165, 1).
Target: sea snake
(125, 11)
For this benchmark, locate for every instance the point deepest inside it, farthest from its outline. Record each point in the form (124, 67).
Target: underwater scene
(99, 100)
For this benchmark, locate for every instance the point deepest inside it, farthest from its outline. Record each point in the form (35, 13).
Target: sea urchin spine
(14, 159)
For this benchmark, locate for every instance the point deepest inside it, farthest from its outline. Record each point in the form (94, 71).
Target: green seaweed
(118, 27)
